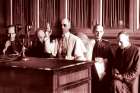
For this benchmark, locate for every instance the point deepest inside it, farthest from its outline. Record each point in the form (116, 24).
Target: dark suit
(126, 65)
(38, 49)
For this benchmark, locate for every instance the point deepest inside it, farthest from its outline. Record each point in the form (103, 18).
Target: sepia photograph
(69, 46)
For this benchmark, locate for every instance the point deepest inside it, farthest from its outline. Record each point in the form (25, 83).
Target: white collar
(66, 34)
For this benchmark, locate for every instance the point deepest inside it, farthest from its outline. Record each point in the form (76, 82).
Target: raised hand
(7, 44)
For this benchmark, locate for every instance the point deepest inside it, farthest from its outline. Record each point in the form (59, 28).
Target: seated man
(68, 46)
(126, 66)
(38, 45)
(12, 45)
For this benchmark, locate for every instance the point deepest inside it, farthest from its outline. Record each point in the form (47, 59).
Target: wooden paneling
(73, 76)
(49, 12)
(41, 75)
(21, 12)
(3, 14)
(24, 13)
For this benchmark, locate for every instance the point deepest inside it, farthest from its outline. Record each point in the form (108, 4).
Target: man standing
(102, 55)
(125, 68)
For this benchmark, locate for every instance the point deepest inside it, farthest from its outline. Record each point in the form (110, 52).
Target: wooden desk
(41, 75)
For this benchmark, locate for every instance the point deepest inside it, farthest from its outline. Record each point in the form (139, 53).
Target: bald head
(66, 25)
(123, 39)
(99, 27)
(41, 35)
(12, 33)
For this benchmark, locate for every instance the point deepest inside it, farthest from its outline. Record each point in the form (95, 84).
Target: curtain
(21, 10)
(21, 14)
(116, 13)
(139, 14)
(48, 12)
(79, 12)
(17, 11)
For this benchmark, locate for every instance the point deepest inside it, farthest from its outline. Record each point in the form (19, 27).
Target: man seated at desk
(126, 65)
(38, 45)
(12, 44)
(69, 46)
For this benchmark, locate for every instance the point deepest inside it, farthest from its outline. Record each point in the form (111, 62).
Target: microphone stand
(26, 43)
(23, 56)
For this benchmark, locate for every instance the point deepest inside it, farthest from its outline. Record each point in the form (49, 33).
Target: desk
(42, 75)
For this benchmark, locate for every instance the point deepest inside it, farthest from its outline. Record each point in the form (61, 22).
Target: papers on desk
(8, 58)
(100, 67)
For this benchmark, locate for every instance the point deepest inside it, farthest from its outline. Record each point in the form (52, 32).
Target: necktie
(64, 47)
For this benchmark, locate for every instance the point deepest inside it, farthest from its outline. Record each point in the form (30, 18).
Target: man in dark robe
(101, 82)
(126, 66)
(38, 45)
(12, 44)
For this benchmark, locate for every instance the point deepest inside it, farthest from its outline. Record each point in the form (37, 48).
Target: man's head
(98, 31)
(11, 33)
(123, 39)
(66, 25)
(41, 35)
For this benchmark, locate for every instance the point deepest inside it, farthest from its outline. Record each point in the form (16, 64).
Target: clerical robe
(102, 49)
(126, 66)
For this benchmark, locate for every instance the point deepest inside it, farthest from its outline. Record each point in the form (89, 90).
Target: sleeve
(54, 47)
(80, 50)
(7, 44)
(51, 47)
(134, 70)
(89, 53)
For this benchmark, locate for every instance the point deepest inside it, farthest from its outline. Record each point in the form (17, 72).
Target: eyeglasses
(64, 25)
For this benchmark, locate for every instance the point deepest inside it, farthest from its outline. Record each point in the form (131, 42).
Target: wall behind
(2, 16)
(26, 12)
